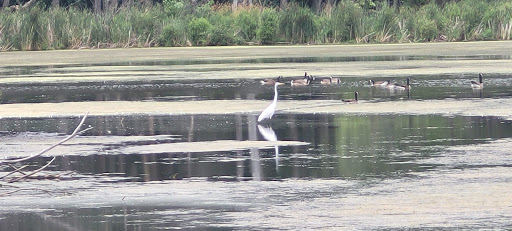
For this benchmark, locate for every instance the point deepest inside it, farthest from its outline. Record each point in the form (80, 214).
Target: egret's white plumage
(269, 111)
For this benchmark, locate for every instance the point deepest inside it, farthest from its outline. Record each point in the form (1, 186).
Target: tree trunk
(317, 5)
(126, 3)
(113, 4)
(55, 3)
(283, 4)
(28, 4)
(395, 4)
(234, 5)
(6, 3)
(110, 5)
(97, 6)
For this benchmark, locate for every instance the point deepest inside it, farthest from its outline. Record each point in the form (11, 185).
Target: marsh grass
(176, 23)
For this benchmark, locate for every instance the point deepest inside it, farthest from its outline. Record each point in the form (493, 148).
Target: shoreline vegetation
(178, 23)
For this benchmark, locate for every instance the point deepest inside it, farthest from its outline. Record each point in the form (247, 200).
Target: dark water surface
(423, 87)
(348, 147)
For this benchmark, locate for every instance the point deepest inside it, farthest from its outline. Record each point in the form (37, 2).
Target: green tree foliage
(174, 7)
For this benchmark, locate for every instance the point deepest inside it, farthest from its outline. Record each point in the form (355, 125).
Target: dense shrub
(267, 31)
(173, 34)
(222, 32)
(247, 20)
(198, 30)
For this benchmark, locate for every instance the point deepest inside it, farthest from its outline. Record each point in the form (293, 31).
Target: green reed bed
(175, 23)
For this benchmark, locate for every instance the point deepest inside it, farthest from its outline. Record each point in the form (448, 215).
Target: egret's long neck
(275, 94)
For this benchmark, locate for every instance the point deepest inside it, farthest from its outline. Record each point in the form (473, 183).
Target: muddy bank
(465, 107)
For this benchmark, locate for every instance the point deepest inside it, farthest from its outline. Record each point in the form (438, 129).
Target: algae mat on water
(84, 57)
(466, 107)
(258, 62)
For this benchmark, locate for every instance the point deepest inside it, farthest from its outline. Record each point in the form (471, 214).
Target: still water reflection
(349, 147)
(423, 87)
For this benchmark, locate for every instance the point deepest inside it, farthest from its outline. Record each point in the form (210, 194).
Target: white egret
(269, 111)
(480, 83)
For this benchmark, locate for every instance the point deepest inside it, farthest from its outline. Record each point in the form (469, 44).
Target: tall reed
(184, 23)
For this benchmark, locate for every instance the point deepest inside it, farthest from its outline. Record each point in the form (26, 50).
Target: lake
(175, 143)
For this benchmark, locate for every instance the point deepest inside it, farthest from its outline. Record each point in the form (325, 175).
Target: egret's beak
(279, 83)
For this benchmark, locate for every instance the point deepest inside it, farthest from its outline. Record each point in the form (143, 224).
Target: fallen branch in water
(15, 171)
(33, 172)
(76, 132)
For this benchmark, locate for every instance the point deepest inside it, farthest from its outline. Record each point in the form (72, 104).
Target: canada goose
(336, 80)
(272, 81)
(404, 87)
(330, 80)
(302, 82)
(326, 81)
(480, 83)
(351, 100)
(379, 83)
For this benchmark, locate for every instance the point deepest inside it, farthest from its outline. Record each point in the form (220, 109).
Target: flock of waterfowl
(309, 79)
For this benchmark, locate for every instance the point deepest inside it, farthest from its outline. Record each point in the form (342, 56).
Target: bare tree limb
(75, 133)
(15, 171)
(28, 4)
(34, 172)
(24, 189)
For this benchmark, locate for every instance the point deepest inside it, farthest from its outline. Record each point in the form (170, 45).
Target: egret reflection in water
(269, 135)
